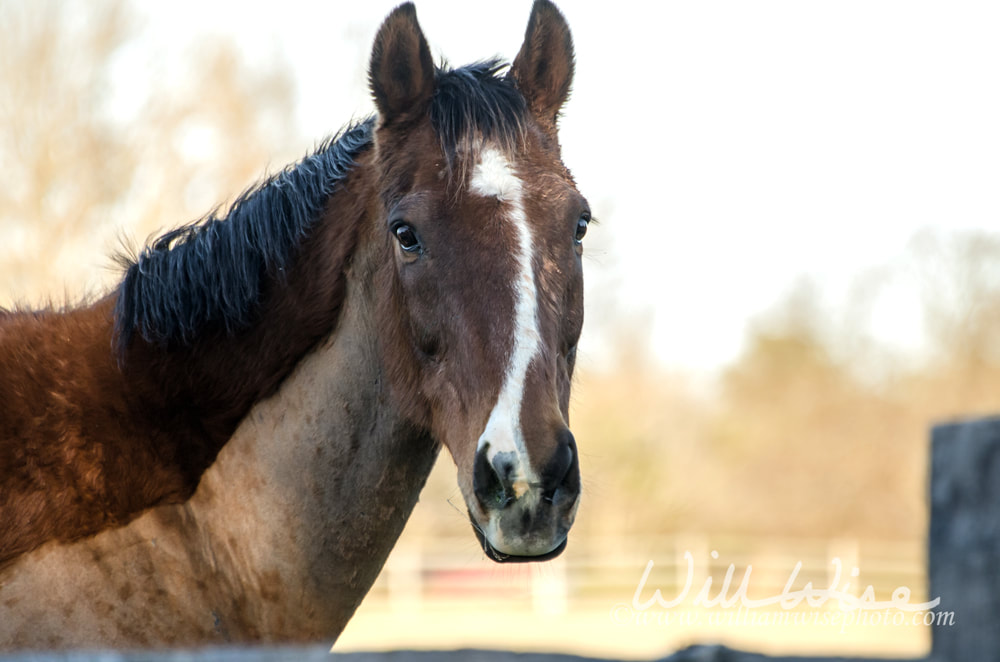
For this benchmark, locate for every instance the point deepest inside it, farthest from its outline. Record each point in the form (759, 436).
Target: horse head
(481, 227)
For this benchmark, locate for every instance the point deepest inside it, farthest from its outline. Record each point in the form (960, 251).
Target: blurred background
(796, 272)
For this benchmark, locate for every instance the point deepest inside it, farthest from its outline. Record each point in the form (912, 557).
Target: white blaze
(494, 177)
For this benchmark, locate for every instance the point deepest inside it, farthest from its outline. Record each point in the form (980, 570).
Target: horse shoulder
(72, 461)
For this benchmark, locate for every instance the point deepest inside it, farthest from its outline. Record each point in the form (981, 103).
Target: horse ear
(543, 69)
(401, 73)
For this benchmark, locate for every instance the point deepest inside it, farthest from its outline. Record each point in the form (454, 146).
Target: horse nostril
(562, 474)
(490, 488)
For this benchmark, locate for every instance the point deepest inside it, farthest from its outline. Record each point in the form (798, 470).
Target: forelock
(475, 105)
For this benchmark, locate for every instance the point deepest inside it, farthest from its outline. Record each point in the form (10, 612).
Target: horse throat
(336, 470)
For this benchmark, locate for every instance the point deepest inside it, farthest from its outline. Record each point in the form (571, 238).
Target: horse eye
(581, 227)
(407, 238)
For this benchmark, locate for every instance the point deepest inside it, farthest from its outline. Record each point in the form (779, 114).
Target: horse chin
(499, 557)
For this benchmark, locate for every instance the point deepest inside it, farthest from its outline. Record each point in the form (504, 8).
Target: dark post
(964, 557)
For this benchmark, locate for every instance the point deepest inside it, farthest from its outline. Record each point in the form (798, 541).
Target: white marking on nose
(494, 177)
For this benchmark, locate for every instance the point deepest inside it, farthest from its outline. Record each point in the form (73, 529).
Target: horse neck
(317, 482)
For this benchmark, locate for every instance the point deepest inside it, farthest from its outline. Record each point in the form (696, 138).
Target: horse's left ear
(543, 69)
(401, 73)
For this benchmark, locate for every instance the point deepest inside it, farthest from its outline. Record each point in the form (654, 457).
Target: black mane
(210, 271)
(474, 102)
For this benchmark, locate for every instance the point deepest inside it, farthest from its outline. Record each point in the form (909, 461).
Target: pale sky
(728, 148)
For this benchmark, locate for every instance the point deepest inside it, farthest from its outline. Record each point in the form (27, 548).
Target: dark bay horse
(227, 446)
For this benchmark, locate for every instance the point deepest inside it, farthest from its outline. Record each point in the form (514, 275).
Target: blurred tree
(805, 444)
(960, 281)
(77, 174)
(810, 444)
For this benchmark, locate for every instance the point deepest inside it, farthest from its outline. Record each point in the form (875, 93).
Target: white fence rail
(601, 574)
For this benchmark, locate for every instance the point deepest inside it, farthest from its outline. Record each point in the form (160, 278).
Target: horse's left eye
(581, 227)
(407, 238)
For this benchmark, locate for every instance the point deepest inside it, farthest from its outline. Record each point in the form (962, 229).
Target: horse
(226, 446)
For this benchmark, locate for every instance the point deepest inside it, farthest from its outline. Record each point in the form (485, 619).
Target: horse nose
(561, 476)
(495, 480)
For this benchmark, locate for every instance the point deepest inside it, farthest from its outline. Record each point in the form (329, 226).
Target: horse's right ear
(401, 73)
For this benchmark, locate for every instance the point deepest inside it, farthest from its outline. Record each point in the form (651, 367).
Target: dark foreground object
(321, 654)
(964, 555)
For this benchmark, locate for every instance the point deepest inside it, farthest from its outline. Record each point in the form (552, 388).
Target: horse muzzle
(520, 519)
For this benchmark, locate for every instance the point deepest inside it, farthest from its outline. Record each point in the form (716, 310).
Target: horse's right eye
(407, 238)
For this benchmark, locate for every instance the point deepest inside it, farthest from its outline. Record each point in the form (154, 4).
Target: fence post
(964, 555)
